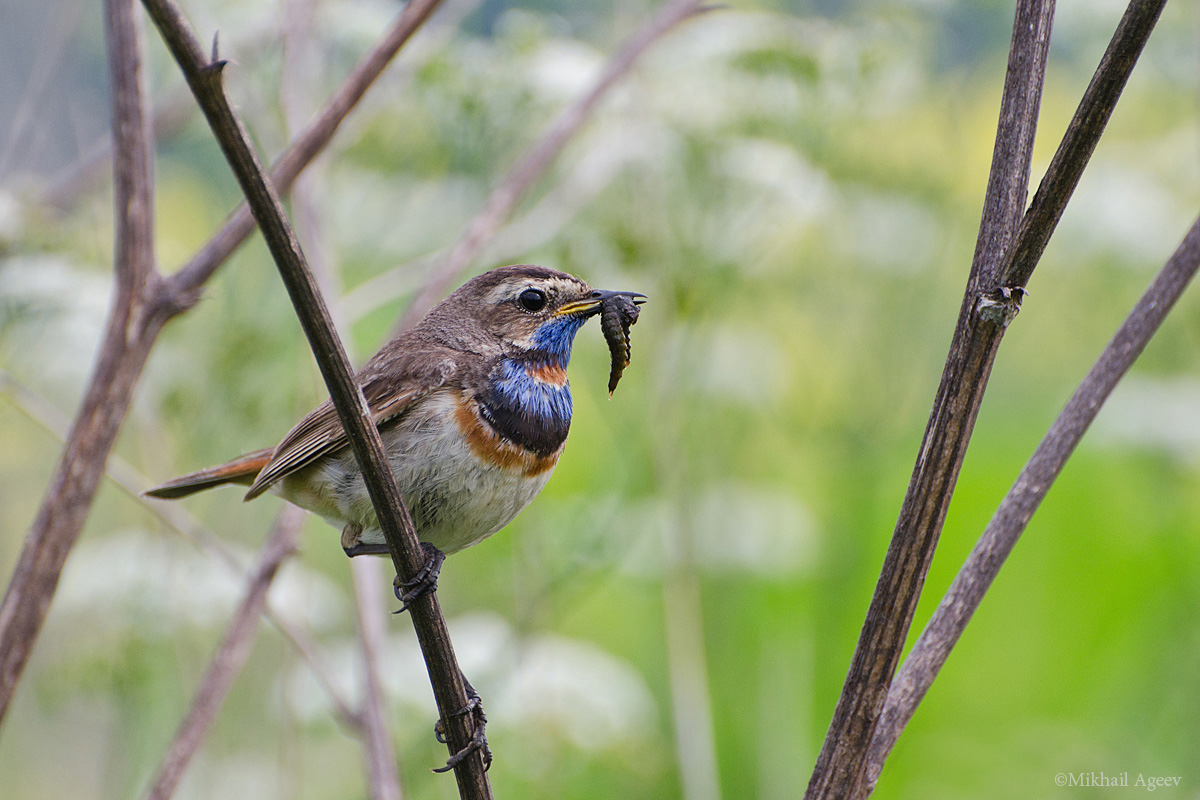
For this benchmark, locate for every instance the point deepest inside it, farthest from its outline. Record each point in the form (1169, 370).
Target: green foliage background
(797, 189)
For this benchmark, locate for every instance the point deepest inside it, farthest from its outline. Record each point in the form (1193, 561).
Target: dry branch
(204, 76)
(301, 63)
(378, 746)
(1014, 512)
(1079, 142)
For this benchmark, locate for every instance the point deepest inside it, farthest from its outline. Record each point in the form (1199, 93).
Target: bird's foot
(424, 582)
(478, 742)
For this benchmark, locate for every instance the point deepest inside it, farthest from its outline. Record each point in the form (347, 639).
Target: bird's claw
(424, 582)
(478, 741)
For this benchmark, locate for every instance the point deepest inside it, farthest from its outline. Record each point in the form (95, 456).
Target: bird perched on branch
(473, 406)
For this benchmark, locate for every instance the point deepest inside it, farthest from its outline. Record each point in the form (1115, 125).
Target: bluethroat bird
(473, 405)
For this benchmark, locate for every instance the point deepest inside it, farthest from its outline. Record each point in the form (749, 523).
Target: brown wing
(391, 382)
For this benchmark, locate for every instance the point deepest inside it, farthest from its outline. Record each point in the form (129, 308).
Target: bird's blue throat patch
(529, 400)
(556, 335)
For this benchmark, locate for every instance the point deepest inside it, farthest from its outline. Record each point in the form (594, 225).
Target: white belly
(456, 498)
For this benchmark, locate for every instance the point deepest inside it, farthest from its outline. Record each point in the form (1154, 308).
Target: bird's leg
(353, 544)
(478, 741)
(364, 549)
(424, 582)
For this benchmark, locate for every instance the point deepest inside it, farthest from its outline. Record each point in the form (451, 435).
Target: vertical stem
(683, 613)
(1080, 140)
(841, 763)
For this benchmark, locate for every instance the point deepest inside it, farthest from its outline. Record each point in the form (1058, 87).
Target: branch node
(999, 306)
(168, 299)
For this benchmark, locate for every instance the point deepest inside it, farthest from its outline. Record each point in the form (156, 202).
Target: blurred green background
(797, 187)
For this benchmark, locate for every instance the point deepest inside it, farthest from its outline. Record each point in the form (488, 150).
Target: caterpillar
(617, 314)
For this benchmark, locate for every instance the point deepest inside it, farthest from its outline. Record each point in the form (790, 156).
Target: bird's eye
(532, 299)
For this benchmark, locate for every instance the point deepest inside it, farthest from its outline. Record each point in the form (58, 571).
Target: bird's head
(527, 307)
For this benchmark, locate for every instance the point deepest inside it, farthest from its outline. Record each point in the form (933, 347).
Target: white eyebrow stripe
(512, 288)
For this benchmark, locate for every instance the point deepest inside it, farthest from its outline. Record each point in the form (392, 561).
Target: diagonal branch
(304, 148)
(1014, 512)
(132, 326)
(142, 303)
(204, 77)
(230, 657)
(552, 212)
(538, 158)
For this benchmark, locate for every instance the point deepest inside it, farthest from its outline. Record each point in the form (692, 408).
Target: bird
(473, 406)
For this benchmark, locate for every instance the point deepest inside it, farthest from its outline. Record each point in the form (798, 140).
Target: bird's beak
(591, 304)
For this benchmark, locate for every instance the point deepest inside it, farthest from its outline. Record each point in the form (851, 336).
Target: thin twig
(204, 77)
(1014, 512)
(840, 764)
(230, 657)
(538, 158)
(132, 326)
(1079, 142)
(177, 519)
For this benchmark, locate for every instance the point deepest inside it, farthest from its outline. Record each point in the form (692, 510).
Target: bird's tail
(242, 470)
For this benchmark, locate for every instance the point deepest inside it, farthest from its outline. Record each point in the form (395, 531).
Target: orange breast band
(493, 449)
